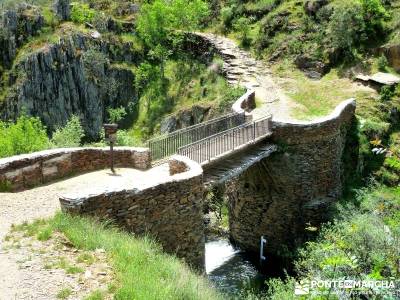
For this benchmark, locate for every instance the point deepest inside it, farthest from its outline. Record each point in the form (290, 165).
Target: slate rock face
(55, 83)
(392, 53)
(16, 27)
(188, 117)
(62, 9)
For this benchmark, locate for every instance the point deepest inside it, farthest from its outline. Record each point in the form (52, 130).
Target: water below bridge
(231, 270)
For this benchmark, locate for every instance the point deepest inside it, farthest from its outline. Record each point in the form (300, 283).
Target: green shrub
(347, 26)
(26, 135)
(116, 115)
(70, 135)
(81, 13)
(242, 26)
(382, 63)
(227, 15)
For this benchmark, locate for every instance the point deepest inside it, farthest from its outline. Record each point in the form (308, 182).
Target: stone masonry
(171, 211)
(292, 189)
(26, 171)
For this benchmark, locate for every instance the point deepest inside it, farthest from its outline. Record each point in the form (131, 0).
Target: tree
(159, 18)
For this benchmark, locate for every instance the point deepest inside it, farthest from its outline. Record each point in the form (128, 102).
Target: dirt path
(22, 272)
(242, 69)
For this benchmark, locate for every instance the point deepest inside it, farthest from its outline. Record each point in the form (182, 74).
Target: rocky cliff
(17, 26)
(79, 75)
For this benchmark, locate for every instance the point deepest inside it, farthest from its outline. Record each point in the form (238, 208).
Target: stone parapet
(170, 210)
(26, 171)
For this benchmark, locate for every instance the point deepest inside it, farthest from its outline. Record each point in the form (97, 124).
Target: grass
(64, 293)
(95, 295)
(318, 97)
(142, 270)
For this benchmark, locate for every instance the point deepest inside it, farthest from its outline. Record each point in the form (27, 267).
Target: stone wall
(170, 211)
(26, 171)
(292, 189)
(245, 103)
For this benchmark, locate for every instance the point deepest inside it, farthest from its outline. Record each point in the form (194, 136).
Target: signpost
(110, 131)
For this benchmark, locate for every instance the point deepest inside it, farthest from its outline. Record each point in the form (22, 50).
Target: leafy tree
(81, 13)
(157, 19)
(27, 135)
(70, 135)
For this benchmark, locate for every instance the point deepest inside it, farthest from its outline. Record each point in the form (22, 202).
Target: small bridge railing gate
(204, 150)
(166, 145)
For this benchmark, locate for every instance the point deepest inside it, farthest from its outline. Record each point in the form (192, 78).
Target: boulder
(185, 118)
(199, 113)
(169, 124)
(313, 69)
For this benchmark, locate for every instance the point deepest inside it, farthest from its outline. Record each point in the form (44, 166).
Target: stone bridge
(278, 179)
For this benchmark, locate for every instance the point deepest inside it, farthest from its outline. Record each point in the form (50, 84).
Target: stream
(231, 270)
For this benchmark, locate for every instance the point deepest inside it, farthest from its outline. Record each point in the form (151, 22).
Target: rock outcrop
(392, 53)
(16, 27)
(187, 117)
(75, 76)
(62, 9)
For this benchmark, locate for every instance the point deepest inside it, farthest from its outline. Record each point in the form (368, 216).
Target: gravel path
(242, 69)
(17, 282)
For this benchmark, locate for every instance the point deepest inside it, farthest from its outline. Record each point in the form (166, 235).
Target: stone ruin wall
(171, 211)
(293, 188)
(22, 172)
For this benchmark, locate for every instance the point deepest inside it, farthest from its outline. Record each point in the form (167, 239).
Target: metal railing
(168, 144)
(221, 143)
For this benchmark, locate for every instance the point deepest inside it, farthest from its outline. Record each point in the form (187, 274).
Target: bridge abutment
(293, 188)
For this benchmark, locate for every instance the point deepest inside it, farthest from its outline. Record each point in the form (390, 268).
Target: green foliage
(347, 26)
(81, 13)
(95, 62)
(116, 115)
(382, 63)
(70, 135)
(362, 244)
(159, 17)
(387, 93)
(242, 26)
(5, 186)
(95, 295)
(25, 136)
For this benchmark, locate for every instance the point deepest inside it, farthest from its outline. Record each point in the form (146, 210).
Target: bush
(27, 135)
(382, 63)
(242, 26)
(70, 135)
(116, 114)
(347, 26)
(81, 13)
(362, 245)
(353, 23)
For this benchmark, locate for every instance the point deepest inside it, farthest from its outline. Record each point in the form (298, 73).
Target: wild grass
(142, 270)
(318, 97)
(64, 293)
